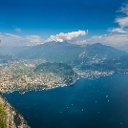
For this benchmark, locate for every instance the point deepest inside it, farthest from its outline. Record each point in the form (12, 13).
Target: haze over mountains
(84, 57)
(64, 52)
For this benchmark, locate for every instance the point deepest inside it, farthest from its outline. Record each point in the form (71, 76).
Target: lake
(99, 103)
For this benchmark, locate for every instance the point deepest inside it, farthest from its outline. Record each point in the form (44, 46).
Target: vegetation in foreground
(3, 117)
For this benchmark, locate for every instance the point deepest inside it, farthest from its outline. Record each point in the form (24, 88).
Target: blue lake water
(99, 103)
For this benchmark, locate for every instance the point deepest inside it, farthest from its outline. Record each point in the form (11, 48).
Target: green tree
(3, 117)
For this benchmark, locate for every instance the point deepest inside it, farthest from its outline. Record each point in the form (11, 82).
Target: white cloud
(123, 19)
(117, 30)
(34, 39)
(115, 40)
(8, 39)
(11, 35)
(66, 36)
(123, 22)
(124, 9)
(117, 37)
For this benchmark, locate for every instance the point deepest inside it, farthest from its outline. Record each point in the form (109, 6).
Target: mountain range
(84, 57)
(66, 52)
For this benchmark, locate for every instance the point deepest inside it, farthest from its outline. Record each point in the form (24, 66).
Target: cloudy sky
(31, 22)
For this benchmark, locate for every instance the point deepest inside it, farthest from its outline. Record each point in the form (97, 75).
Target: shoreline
(41, 88)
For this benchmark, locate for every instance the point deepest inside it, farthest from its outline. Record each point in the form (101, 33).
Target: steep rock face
(9, 117)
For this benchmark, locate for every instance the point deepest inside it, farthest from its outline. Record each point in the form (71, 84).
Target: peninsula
(25, 75)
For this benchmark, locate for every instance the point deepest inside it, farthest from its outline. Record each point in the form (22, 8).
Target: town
(19, 75)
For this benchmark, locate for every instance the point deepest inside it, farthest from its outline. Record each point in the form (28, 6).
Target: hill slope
(66, 52)
(9, 117)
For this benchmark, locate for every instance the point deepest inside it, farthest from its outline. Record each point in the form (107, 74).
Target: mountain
(5, 58)
(64, 71)
(52, 51)
(96, 53)
(69, 53)
(100, 51)
(116, 65)
(9, 117)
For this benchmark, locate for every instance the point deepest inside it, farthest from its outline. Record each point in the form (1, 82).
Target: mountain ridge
(67, 52)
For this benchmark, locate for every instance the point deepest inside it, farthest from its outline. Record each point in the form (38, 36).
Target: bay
(98, 103)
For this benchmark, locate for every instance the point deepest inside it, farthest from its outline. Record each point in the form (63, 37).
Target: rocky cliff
(9, 117)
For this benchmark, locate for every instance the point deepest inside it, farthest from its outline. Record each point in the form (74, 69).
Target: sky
(31, 22)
